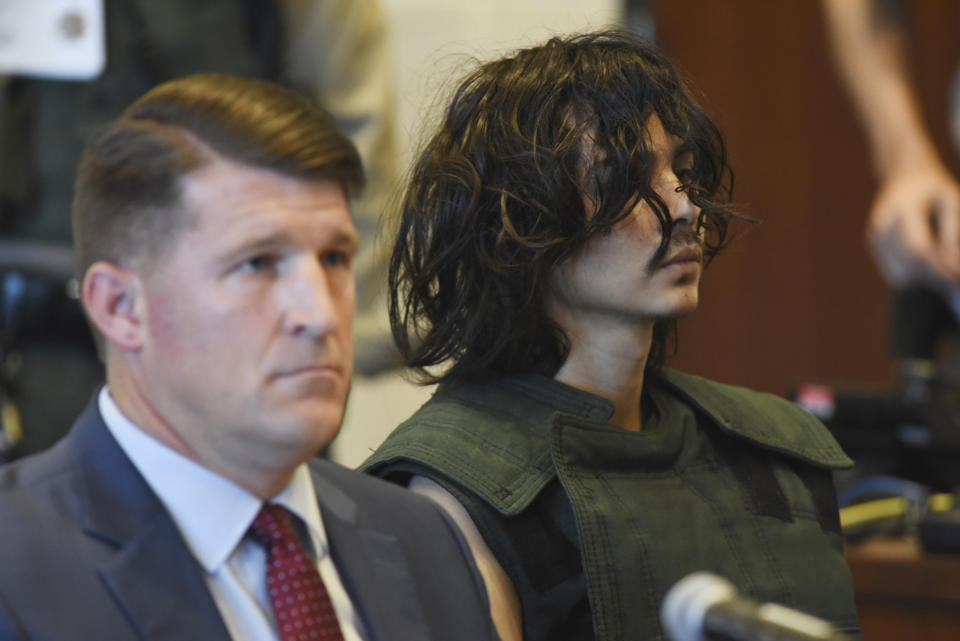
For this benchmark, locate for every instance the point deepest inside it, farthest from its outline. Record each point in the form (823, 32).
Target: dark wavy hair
(496, 199)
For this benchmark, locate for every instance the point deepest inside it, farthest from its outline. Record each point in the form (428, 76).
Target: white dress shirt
(213, 514)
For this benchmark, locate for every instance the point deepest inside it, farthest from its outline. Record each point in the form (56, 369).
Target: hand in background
(914, 225)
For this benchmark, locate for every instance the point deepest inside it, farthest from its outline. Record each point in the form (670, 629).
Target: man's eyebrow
(345, 237)
(276, 238)
(269, 240)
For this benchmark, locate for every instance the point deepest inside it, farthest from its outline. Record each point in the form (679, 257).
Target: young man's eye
(683, 167)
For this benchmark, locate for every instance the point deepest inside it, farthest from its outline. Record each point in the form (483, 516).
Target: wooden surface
(797, 298)
(904, 594)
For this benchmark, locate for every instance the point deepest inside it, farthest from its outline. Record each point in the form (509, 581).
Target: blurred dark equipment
(40, 314)
(912, 432)
(48, 363)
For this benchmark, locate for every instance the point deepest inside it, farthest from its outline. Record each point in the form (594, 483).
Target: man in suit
(215, 243)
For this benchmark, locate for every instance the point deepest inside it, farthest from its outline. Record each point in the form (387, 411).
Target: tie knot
(273, 525)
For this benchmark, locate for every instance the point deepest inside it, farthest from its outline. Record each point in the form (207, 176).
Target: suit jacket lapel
(153, 577)
(160, 586)
(371, 564)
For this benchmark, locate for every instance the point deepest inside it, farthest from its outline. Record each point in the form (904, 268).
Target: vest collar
(511, 420)
(763, 419)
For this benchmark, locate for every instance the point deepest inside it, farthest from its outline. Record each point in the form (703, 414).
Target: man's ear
(112, 297)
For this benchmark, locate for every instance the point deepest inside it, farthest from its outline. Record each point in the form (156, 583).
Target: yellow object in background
(11, 430)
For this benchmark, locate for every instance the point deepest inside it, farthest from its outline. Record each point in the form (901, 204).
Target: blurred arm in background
(338, 51)
(914, 223)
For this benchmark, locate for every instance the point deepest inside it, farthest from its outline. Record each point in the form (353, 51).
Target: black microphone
(705, 607)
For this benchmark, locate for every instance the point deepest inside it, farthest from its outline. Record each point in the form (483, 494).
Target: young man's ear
(112, 297)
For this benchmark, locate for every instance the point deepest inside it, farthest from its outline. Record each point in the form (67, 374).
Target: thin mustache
(680, 240)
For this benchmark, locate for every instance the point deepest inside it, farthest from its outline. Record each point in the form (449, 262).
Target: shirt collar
(211, 512)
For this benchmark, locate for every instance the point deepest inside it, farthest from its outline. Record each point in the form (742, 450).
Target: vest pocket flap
(507, 468)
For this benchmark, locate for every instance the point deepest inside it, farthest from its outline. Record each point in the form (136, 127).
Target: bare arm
(914, 224)
(504, 604)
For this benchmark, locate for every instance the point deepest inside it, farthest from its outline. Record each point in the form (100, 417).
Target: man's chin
(325, 425)
(312, 425)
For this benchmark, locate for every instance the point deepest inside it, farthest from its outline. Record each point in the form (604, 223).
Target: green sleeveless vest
(594, 523)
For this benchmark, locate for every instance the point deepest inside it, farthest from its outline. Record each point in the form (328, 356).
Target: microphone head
(687, 602)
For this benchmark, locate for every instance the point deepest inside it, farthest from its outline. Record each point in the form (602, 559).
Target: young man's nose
(682, 208)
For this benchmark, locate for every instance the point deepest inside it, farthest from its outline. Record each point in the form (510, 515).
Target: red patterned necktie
(300, 601)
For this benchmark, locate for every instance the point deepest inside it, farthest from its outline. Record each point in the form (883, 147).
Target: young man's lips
(686, 255)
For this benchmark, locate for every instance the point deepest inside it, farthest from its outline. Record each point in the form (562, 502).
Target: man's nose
(310, 307)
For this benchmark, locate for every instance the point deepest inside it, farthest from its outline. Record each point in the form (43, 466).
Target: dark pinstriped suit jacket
(87, 551)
